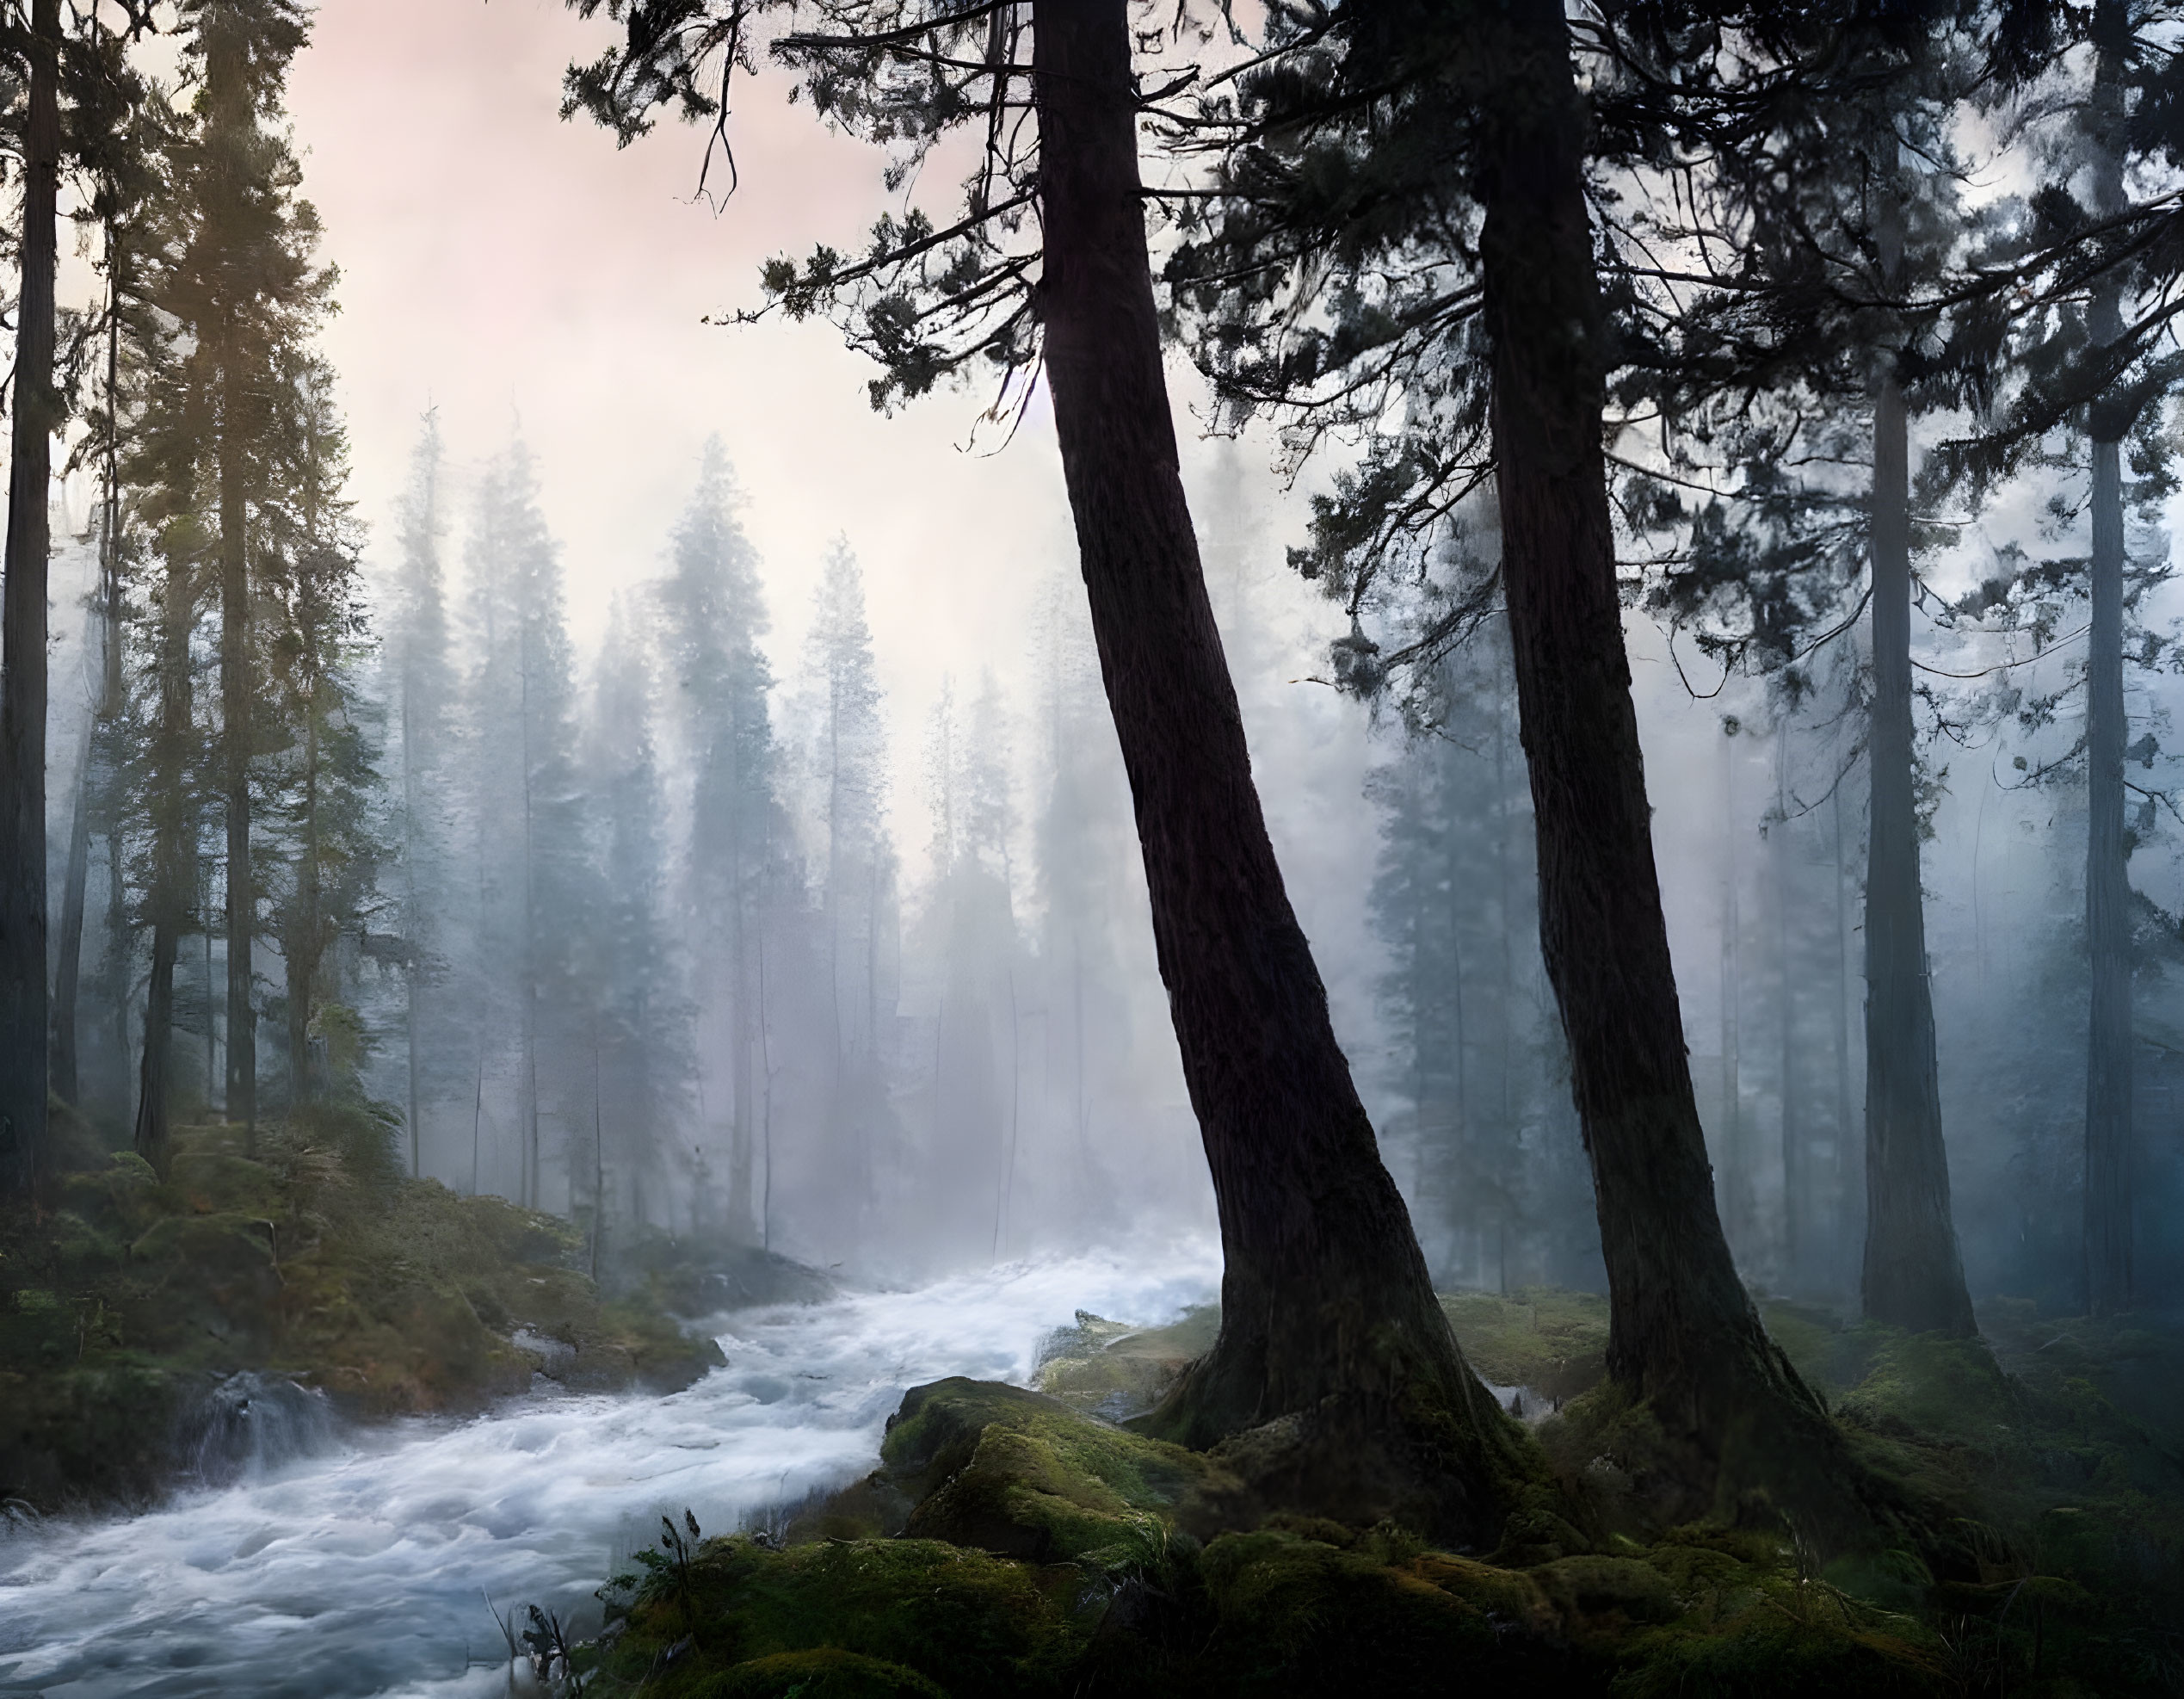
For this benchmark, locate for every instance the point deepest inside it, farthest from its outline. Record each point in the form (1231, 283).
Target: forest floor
(140, 1317)
(1018, 1543)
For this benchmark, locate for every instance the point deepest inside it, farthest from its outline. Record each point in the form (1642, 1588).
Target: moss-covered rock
(1104, 1369)
(1021, 1474)
(304, 1253)
(1047, 1552)
(1301, 1616)
(1553, 1341)
(825, 1672)
(963, 1622)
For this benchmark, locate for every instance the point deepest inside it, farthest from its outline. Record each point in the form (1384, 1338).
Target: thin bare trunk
(237, 685)
(92, 785)
(2108, 1249)
(1913, 1276)
(173, 856)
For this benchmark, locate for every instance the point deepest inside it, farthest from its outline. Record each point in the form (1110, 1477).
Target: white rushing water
(366, 1569)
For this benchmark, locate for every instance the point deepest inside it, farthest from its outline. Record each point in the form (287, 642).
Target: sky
(518, 272)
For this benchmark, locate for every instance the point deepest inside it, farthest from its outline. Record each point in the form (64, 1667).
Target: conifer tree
(323, 782)
(848, 754)
(713, 615)
(2067, 324)
(419, 673)
(1404, 230)
(972, 923)
(644, 1055)
(1840, 218)
(1451, 899)
(525, 808)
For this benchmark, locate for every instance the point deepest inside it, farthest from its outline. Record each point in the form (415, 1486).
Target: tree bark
(24, 1156)
(92, 788)
(1326, 1305)
(1683, 1334)
(68, 970)
(2107, 912)
(174, 852)
(1794, 1180)
(2107, 877)
(241, 1097)
(304, 951)
(1913, 1276)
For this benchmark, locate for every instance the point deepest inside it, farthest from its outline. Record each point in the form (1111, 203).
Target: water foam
(367, 1570)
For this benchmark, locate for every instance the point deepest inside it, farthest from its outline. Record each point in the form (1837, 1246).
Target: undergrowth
(312, 1256)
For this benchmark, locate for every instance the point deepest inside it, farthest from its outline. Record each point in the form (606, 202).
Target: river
(366, 1567)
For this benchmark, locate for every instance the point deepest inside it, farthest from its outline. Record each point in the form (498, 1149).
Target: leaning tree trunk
(236, 720)
(1913, 1276)
(23, 1154)
(1683, 1335)
(1326, 1306)
(2108, 878)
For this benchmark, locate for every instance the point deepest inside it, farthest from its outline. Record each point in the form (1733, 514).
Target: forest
(865, 848)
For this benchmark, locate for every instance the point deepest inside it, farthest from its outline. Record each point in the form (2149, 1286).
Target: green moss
(827, 1672)
(1021, 1474)
(1551, 1340)
(1768, 1653)
(1074, 1569)
(1104, 1368)
(311, 1257)
(1932, 1385)
(966, 1622)
(1299, 1616)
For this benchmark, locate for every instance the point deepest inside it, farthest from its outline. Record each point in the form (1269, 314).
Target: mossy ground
(313, 1257)
(1013, 1544)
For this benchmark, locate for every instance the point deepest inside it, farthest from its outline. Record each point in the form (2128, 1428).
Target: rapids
(366, 1568)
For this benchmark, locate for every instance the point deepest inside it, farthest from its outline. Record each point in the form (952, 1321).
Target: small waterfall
(250, 1423)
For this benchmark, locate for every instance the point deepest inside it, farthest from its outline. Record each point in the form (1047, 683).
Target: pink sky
(501, 264)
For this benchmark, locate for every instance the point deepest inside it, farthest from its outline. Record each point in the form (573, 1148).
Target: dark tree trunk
(236, 685)
(68, 972)
(93, 788)
(1683, 1334)
(304, 951)
(173, 856)
(151, 1129)
(1913, 1276)
(2108, 911)
(24, 1157)
(2107, 877)
(1793, 1180)
(1324, 1295)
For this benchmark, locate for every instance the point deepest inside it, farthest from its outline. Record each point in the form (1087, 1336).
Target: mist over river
(366, 1569)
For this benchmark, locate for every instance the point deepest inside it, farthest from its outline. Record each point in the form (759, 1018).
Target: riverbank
(1011, 1542)
(304, 1256)
(364, 1569)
